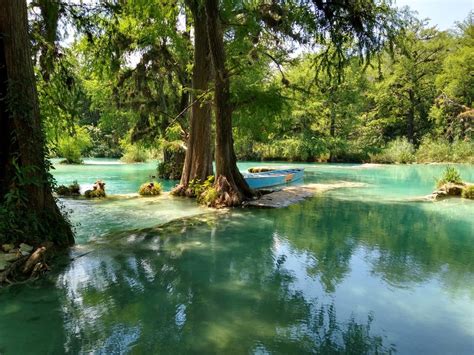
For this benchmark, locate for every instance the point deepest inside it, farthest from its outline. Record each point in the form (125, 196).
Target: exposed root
(25, 268)
(182, 190)
(227, 195)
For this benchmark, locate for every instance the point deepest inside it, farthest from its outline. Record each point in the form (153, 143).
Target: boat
(260, 178)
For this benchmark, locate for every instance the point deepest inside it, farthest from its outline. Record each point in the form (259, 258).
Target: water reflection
(403, 243)
(325, 276)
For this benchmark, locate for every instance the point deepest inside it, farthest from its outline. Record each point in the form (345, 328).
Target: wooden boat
(260, 178)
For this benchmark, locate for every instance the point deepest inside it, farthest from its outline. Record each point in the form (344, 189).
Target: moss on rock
(150, 189)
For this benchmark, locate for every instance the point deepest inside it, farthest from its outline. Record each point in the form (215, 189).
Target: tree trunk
(411, 118)
(232, 187)
(198, 160)
(332, 129)
(25, 188)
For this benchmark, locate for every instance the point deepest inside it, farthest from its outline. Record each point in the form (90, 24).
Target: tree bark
(198, 160)
(230, 183)
(411, 117)
(22, 150)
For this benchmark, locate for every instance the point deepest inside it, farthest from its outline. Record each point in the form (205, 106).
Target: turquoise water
(356, 270)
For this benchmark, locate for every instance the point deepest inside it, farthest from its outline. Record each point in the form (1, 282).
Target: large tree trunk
(411, 117)
(230, 184)
(24, 178)
(198, 160)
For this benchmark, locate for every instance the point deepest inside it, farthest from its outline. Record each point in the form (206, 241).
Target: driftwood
(25, 268)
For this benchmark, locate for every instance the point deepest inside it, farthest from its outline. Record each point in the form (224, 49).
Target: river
(354, 270)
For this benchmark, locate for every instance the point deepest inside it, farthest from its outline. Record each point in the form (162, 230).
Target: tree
(231, 186)
(198, 160)
(407, 89)
(28, 210)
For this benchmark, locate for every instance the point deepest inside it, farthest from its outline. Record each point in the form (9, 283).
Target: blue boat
(260, 178)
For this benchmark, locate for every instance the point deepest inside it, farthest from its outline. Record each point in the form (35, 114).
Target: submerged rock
(290, 195)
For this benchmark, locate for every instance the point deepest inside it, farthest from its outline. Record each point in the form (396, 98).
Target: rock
(439, 195)
(98, 190)
(25, 248)
(7, 247)
(452, 189)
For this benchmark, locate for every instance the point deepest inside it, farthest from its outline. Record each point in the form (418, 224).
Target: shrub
(71, 190)
(468, 192)
(450, 175)
(71, 147)
(440, 150)
(135, 153)
(208, 196)
(150, 189)
(197, 187)
(397, 151)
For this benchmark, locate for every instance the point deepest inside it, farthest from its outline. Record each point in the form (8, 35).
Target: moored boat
(260, 178)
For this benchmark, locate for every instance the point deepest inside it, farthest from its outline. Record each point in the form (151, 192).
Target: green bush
(71, 147)
(135, 153)
(150, 189)
(208, 196)
(293, 149)
(440, 150)
(71, 190)
(197, 187)
(397, 151)
(450, 175)
(468, 192)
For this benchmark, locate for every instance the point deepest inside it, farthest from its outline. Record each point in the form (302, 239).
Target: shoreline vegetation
(399, 151)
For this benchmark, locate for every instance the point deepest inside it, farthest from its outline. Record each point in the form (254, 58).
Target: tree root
(26, 268)
(227, 195)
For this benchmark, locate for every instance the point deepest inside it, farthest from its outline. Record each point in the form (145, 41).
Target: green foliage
(205, 192)
(150, 189)
(197, 187)
(440, 150)
(468, 192)
(397, 151)
(450, 175)
(135, 153)
(72, 146)
(71, 190)
(208, 196)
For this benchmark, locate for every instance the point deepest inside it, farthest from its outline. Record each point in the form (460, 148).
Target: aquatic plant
(150, 189)
(468, 192)
(450, 175)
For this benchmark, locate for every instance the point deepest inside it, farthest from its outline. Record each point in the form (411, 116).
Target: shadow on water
(249, 281)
